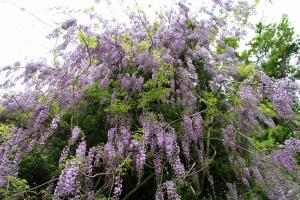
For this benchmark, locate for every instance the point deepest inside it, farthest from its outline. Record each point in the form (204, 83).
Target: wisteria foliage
(181, 62)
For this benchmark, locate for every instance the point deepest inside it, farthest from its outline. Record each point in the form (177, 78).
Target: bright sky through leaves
(23, 31)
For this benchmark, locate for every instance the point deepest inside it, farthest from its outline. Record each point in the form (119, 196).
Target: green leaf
(190, 25)
(156, 94)
(232, 42)
(119, 107)
(267, 110)
(138, 136)
(2, 108)
(220, 49)
(89, 10)
(246, 71)
(144, 45)
(85, 40)
(156, 26)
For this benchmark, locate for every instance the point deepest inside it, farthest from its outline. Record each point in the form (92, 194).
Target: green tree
(276, 47)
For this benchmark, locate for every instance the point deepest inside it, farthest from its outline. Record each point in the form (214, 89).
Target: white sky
(23, 36)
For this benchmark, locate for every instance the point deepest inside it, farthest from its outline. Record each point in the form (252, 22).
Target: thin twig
(144, 24)
(19, 193)
(138, 186)
(21, 107)
(29, 12)
(93, 176)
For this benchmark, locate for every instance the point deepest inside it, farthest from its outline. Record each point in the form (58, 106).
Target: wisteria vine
(184, 63)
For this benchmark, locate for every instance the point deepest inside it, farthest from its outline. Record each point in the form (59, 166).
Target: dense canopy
(151, 110)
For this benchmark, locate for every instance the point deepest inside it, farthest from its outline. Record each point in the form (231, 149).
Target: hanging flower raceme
(66, 185)
(118, 187)
(192, 132)
(170, 189)
(139, 154)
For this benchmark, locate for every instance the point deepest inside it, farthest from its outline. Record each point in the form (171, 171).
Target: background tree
(275, 48)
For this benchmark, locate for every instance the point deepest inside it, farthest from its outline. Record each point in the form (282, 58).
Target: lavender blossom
(67, 181)
(118, 187)
(75, 134)
(232, 193)
(81, 150)
(170, 187)
(54, 123)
